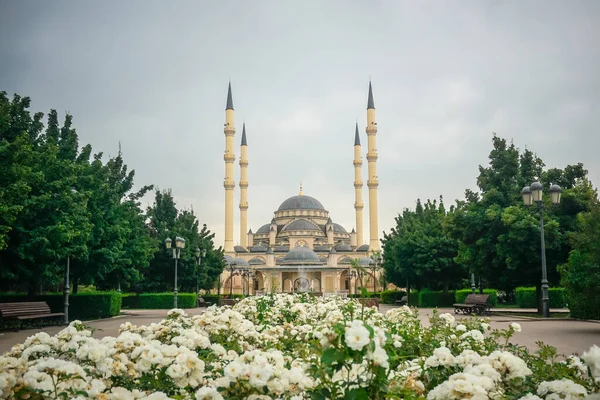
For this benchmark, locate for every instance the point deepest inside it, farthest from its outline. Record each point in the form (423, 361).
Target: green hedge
(526, 297)
(390, 296)
(428, 298)
(82, 306)
(462, 294)
(156, 301)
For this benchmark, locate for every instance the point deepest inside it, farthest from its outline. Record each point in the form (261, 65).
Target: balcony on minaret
(358, 206)
(229, 130)
(371, 129)
(358, 185)
(357, 163)
(244, 205)
(373, 182)
(243, 184)
(372, 156)
(228, 157)
(243, 163)
(228, 183)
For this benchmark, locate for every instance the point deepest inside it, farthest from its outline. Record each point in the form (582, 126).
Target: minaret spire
(358, 187)
(229, 182)
(229, 105)
(370, 102)
(372, 181)
(301, 193)
(244, 189)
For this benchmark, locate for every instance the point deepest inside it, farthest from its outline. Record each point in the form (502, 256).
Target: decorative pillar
(243, 188)
(373, 181)
(229, 183)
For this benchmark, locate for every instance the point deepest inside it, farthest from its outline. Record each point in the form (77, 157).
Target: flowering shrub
(294, 347)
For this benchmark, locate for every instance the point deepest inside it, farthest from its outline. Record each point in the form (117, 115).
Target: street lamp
(376, 266)
(231, 264)
(534, 193)
(352, 274)
(66, 292)
(200, 254)
(249, 275)
(179, 244)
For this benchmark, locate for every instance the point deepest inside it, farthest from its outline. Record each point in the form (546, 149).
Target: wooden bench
(403, 301)
(474, 304)
(200, 302)
(23, 311)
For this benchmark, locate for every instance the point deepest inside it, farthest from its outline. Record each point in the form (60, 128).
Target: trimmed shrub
(429, 298)
(526, 297)
(210, 299)
(462, 294)
(82, 306)
(160, 301)
(390, 296)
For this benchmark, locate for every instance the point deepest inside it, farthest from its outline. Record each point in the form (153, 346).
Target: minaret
(229, 183)
(358, 186)
(243, 188)
(372, 181)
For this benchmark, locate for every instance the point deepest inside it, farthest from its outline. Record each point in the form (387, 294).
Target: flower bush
(294, 347)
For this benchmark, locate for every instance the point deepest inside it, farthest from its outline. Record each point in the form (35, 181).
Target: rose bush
(294, 347)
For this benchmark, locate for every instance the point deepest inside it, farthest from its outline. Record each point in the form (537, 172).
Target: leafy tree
(581, 274)
(165, 220)
(419, 252)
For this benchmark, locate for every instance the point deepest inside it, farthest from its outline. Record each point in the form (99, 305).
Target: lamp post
(231, 264)
(179, 244)
(377, 259)
(473, 287)
(66, 291)
(352, 274)
(200, 254)
(534, 193)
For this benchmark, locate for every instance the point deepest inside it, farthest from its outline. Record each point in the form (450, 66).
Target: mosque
(301, 249)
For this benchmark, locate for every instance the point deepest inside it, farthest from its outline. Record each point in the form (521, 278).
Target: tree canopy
(490, 233)
(59, 200)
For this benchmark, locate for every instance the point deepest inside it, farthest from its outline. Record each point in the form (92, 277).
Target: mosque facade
(301, 249)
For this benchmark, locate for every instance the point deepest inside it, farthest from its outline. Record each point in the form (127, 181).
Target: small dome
(258, 248)
(239, 262)
(301, 225)
(282, 249)
(240, 249)
(364, 247)
(321, 248)
(301, 202)
(301, 255)
(337, 228)
(256, 261)
(345, 260)
(365, 261)
(264, 229)
(342, 247)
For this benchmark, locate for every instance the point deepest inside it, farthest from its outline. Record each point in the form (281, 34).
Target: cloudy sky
(152, 76)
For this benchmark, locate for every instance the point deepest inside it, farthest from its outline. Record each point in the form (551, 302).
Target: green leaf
(332, 355)
(357, 394)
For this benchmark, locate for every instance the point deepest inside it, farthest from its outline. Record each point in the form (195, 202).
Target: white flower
(259, 377)
(357, 336)
(208, 393)
(485, 326)
(530, 396)
(592, 360)
(509, 365)
(474, 334)
(441, 357)
(235, 369)
(564, 387)
(515, 327)
(448, 319)
(461, 328)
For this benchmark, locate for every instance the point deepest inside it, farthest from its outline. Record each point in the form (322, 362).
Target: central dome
(301, 202)
(301, 255)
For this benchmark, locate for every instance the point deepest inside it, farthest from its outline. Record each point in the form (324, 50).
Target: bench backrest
(13, 310)
(477, 299)
(404, 299)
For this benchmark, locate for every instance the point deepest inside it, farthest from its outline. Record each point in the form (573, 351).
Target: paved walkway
(568, 336)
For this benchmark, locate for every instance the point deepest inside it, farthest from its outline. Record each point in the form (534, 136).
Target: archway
(301, 285)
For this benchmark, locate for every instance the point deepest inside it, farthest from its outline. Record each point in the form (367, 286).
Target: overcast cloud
(446, 74)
